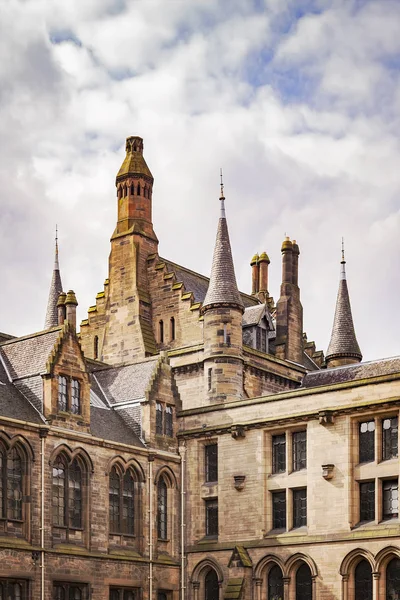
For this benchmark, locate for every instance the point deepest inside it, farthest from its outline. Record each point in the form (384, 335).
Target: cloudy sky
(297, 100)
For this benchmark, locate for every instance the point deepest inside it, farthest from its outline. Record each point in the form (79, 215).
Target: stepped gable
(13, 404)
(127, 383)
(198, 284)
(375, 368)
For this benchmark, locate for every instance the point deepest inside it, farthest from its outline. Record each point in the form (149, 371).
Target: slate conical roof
(55, 291)
(222, 289)
(343, 339)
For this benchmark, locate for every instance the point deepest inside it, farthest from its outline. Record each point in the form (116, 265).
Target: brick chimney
(255, 277)
(61, 308)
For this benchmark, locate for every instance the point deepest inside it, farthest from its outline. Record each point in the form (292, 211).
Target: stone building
(190, 443)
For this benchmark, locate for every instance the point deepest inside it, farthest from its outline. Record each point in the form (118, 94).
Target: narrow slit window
(161, 331)
(172, 329)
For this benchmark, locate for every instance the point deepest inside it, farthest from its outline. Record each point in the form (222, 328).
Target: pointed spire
(55, 290)
(222, 289)
(343, 348)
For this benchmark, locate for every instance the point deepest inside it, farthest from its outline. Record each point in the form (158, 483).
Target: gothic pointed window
(303, 583)
(275, 583)
(67, 493)
(132, 190)
(211, 585)
(162, 509)
(393, 579)
(11, 484)
(121, 502)
(363, 581)
(138, 189)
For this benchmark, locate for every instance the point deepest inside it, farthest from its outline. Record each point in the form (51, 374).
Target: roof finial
(56, 240)
(222, 197)
(343, 262)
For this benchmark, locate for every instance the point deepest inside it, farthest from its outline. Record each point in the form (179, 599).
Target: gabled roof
(107, 424)
(375, 368)
(27, 356)
(127, 383)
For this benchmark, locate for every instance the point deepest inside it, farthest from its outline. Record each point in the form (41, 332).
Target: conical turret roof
(55, 290)
(134, 163)
(343, 339)
(222, 289)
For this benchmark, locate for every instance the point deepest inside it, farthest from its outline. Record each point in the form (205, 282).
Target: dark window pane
(258, 338)
(59, 474)
(162, 525)
(303, 583)
(212, 517)
(128, 517)
(279, 510)
(390, 490)
(299, 507)
(367, 441)
(75, 495)
(14, 485)
(211, 585)
(278, 453)
(168, 421)
(393, 580)
(299, 450)
(363, 581)
(275, 584)
(162, 596)
(62, 393)
(211, 456)
(3, 483)
(390, 437)
(263, 340)
(114, 594)
(172, 329)
(367, 501)
(159, 418)
(76, 397)
(114, 501)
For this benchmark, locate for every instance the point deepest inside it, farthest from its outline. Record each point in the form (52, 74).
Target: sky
(297, 100)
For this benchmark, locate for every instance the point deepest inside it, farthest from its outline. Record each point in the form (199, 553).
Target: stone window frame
(119, 592)
(378, 470)
(19, 444)
(164, 419)
(8, 582)
(211, 520)
(67, 586)
(169, 543)
(208, 460)
(289, 568)
(69, 394)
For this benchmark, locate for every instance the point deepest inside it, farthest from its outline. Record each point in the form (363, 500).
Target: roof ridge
(31, 335)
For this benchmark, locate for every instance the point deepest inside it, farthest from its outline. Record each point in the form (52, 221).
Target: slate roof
(222, 288)
(198, 284)
(106, 423)
(12, 402)
(252, 315)
(123, 384)
(54, 292)
(343, 339)
(28, 355)
(376, 368)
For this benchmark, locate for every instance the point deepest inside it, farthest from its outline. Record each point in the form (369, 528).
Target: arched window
(161, 329)
(145, 191)
(172, 329)
(11, 477)
(275, 583)
(122, 502)
(67, 493)
(125, 190)
(211, 585)
(162, 509)
(393, 579)
(303, 583)
(138, 189)
(96, 347)
(168, 421)
(132, 189)
(363, 581)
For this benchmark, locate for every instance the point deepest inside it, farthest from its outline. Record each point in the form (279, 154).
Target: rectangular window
(62, 393)
(13, 589)
(279, 510)
(263, 340)
(211, 460)
(366, 441)
(279, 453)
(159, 419)
(118, 593)
(75, 397)
(390, 438)
(299, 450)
(300, 507)
(390, 491)
(258, 338)
(168, 421)
(212, 517)
(70, 591)
(367, 501)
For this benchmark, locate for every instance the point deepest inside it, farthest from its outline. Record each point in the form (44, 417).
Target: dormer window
(69, 395)
(62, 393)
